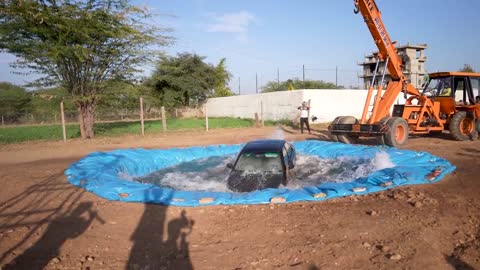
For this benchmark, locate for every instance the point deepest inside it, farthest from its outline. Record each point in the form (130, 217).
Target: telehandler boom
(432, 110)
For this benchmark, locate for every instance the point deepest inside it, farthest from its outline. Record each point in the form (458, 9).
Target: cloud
(233, 23)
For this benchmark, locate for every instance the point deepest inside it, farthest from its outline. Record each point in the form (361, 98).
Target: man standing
(304, 112)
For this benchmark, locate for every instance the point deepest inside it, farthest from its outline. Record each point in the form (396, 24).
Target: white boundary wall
(326, 104)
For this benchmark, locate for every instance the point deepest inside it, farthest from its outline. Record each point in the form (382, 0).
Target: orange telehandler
(433, 110)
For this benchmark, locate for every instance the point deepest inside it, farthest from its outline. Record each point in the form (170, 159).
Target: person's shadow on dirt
(150, 251)
(57, 233)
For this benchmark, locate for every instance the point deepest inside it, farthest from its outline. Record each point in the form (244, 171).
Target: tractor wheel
(347, 139)
(398, 132)
(335, 121)
(462, 127)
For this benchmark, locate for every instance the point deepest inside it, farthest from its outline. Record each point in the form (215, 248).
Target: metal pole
(206, 117)
(336, 77)
(303, 69)
(64, 130)
(278, 79)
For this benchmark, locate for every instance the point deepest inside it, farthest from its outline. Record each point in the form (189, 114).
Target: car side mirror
(230, 165)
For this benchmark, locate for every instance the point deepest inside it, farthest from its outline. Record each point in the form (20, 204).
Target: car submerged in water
(262, 164)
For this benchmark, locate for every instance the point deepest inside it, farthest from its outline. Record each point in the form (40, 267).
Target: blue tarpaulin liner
(101, 173)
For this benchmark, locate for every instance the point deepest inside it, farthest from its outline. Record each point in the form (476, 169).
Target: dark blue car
(262, 164)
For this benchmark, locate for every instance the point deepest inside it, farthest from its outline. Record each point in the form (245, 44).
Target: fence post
(164, 120)
(206, 117)
(3, 121)
(62, 114)
(257, 124)
(176, 113)
(141, 116)
(261, 113)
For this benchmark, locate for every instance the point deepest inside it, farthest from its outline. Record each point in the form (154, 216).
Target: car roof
(264, 145)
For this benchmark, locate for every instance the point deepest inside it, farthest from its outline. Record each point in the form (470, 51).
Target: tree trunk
(86, 118)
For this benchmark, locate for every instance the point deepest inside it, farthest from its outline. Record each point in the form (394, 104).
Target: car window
(260, 162)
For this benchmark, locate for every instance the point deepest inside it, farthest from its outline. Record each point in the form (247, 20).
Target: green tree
(79, 45)
(183, 80)
(467, 68)
(296, 83)
(46, 102)
(15, 101)
(222, 77)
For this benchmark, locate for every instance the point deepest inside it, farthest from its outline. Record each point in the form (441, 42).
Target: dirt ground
(47, 223)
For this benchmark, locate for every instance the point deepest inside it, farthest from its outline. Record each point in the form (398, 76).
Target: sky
(263, 37)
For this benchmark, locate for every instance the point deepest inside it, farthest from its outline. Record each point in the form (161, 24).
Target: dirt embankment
(45, 222)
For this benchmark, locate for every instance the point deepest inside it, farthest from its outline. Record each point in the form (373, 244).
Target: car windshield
(438, 87)
(259, 162)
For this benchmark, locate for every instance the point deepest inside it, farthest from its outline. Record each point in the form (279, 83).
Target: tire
(347, 139)
(462, 127)
(333, 136)
(397, 134)
(381, 139)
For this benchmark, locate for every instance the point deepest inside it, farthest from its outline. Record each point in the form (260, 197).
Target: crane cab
(453, 89)
(455, 99)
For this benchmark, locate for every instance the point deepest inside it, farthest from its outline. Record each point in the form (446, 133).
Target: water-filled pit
(197, 175)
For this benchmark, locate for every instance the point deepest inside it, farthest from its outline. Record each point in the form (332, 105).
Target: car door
(292, 158)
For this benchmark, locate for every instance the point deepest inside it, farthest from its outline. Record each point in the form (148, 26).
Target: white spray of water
(206, 174)
(312, 170)
(210, 174)
(278, 134)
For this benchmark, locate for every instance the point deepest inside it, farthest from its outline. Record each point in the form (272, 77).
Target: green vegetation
(14, 101)
(467, 68)
(54, 132)
(79, 45)
(186, 79)
(296, 83)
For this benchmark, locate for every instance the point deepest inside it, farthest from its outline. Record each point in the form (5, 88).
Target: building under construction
(413, 57)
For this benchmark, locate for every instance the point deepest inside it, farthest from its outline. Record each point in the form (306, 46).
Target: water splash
(210, 174)
(278, 134)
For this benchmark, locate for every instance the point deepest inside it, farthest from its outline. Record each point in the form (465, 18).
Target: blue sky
(261, 36)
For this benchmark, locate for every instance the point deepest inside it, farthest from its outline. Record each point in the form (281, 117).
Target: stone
(278, 200)
(366, 244)
(385, 248)
(56, 260)
(206, 200)
(319, 195)
(359, 189)
(372, 213)
(417, 204)
(386, 184)
(395, 257)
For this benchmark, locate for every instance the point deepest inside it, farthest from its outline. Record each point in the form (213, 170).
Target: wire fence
(103, 114)
(341, 77)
